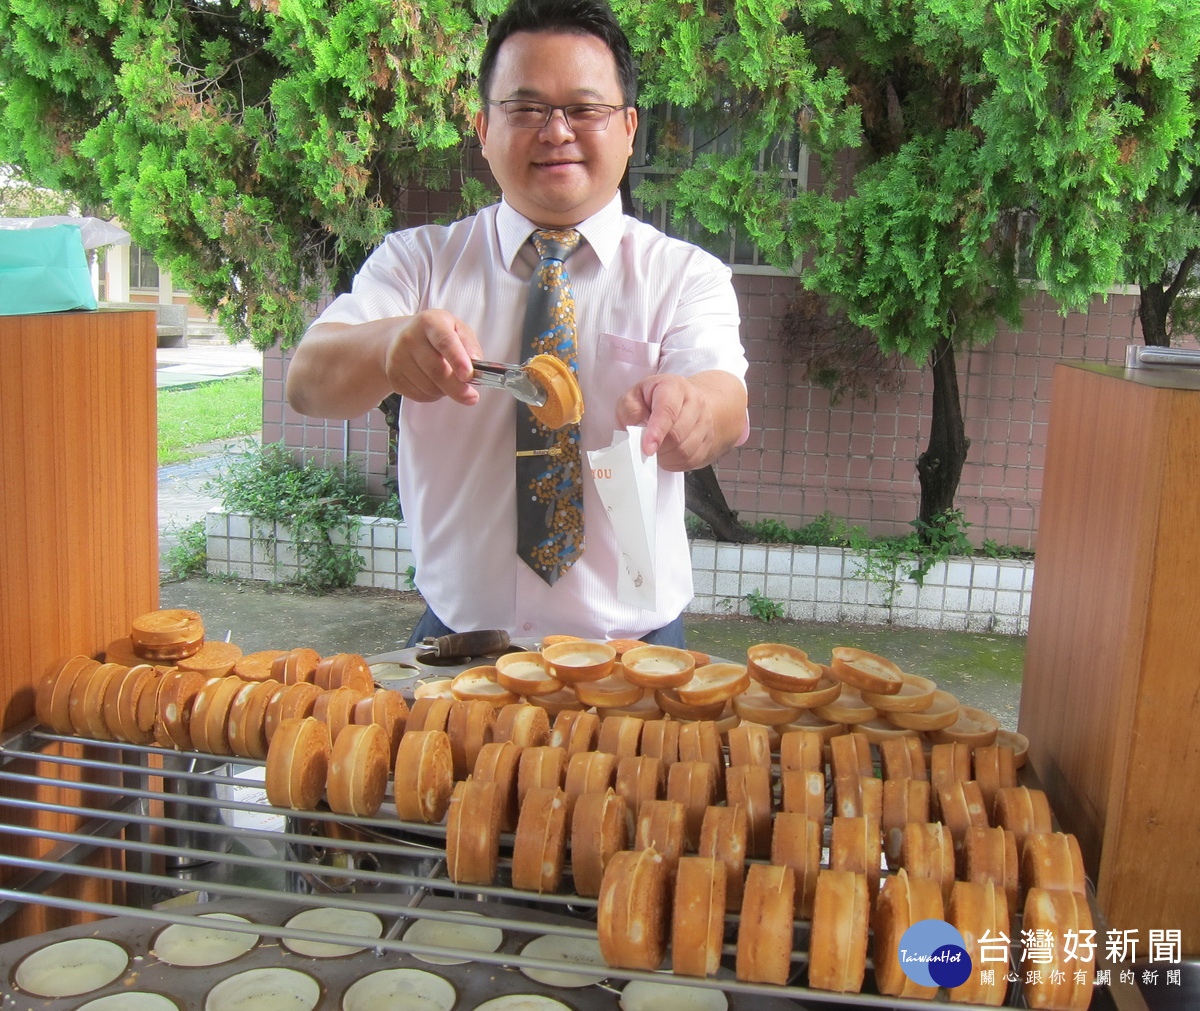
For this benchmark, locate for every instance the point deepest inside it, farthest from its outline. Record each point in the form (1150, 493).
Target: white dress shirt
(645, 303)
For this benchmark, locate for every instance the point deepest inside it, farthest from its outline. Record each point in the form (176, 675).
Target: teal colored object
(44, 270)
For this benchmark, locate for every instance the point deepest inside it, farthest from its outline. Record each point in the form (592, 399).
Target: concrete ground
(982, 670)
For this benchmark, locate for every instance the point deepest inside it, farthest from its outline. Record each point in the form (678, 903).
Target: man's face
(556, 176)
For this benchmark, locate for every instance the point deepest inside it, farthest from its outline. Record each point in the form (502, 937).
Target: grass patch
(224, 409)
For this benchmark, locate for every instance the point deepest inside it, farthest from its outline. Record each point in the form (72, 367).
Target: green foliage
(258, 150)
(189, 555)
(190, 417)
(888, 559)
(763, 607)
(826, 530)
(319, 504)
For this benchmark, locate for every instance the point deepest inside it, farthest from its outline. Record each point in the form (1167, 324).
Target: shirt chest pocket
(620, 363)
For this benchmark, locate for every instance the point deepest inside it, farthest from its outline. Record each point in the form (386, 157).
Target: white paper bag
(627, 481)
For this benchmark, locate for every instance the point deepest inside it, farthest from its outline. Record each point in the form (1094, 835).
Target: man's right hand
(343, 370)
(430, 358)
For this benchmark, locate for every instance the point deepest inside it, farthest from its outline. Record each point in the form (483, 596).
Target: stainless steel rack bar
(317, 859)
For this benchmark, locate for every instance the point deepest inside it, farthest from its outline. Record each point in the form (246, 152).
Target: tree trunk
(1154, 305)
(706, 500)
(939, 468)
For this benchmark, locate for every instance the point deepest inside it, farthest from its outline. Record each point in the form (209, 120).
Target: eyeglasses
(585, 116)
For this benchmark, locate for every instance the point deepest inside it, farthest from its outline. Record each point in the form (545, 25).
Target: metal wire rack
(199, 826)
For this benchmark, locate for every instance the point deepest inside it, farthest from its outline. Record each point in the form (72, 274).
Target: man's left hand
(689, 422)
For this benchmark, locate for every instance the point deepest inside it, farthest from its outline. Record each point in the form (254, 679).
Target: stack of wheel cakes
(851, 795)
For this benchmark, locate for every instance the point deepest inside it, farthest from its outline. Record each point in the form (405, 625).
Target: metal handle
(510, 378)
(1141, 355)
(458, 644)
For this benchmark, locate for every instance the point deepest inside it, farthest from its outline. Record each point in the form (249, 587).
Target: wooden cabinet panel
(1111, 694)
(78, 489)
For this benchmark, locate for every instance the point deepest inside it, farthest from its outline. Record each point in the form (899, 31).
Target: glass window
(143, 271)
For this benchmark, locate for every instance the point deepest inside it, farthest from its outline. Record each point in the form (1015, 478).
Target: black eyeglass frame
(550, 111)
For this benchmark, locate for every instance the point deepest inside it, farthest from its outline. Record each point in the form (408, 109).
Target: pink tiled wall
(856, 459)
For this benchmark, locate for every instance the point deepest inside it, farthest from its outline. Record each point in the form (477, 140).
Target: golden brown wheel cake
(701, 742)
(866, 671)
(121, 651)
(658, 666)
(828, 689)
(588, 772)
(619, 735)
(579, 660)
(387, 708)
(904, 801)
(481, 684)
(544, 767)
(796, 843)
(296, 665)
(661, 826)
(692, 784)
(837, 954)
(246, 726)
(902, 901)
(962, 807)
(336, 708)
(660, 739)
(431, 712)
(850, 755)
(298, 763)
(564, 400)
(978, 910)
(927, 851)
(424, 776)
(121, 704)
(1058, 914)
(600, 827)
(166, 626)
(344, 670)
(526, 673)
(995, 767)
(756, 704)
(639, 779)
(214, 659)
(991, 855)
(173, 721)
(575, 730)
(1023, 811)
(473, 832)
(470, 728)
(942, 712)
(540, 842)
(670, 703)
(764, 938)
(358, 770)
(948, 763)
(294, 702)
(609, 692)
(749, 787)
(783, 668)
(698, 916)
(77, 711)
(749, 744)
(915, 694)
(1053, 860)
(93, 699)
(801, 750)
(858, 797)
(525, 725)
(632, 913)
(803, 792)
(497, 763)
(622, 646)
(257, 666)
(903, 758)
(210, 714)
(723, 835)
(974, 728)
(855, 845)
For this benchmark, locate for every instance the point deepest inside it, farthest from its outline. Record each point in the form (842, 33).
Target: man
(657, 342)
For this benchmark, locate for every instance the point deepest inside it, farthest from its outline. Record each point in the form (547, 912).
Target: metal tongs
(511, 378)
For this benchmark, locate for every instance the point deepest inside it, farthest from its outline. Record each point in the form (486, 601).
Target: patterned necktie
(549, 473)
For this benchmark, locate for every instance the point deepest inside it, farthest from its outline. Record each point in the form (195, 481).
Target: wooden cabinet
(1111, 695)
(79, 537)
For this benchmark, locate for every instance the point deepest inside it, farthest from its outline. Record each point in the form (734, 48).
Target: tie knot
(557, 244)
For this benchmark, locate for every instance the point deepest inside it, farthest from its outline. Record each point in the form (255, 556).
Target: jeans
(431, 626)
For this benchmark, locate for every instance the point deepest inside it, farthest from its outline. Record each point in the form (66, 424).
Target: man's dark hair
(584, 17)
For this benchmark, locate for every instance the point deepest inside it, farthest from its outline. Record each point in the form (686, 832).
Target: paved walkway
(183, 493)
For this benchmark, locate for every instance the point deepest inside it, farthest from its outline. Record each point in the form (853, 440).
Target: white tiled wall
(812, 584)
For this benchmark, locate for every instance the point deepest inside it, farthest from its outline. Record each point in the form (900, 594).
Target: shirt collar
(603, 231)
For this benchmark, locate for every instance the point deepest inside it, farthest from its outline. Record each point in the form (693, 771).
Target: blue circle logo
(933, 953)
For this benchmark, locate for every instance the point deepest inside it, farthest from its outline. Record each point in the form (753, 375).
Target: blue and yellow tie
(549, 471)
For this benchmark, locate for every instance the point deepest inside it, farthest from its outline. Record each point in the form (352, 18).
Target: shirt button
(528, 625)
